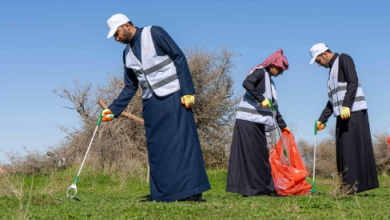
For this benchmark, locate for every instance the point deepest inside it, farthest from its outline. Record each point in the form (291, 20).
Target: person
(153, 61)
(354, 152)
(249, 171)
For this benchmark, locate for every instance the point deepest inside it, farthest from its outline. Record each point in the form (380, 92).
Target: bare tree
(78, 96)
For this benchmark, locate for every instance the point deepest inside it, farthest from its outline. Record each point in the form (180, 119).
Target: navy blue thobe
(177, 168)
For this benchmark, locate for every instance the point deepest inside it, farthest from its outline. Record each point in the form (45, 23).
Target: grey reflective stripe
(158, 66)
(250, 98)
(254, 111)
(357, 99)
(139, 72)
(165, 81)
(338, 89)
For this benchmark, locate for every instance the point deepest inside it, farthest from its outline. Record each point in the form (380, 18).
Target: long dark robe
(249, 168)
(177, 168)
(176, 162)
(355, 156)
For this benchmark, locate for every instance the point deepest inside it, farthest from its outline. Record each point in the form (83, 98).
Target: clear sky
(47, 44)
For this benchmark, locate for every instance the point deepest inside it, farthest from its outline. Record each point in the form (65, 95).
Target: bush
(326, 155)
(34, 162)
(382, 153)
(120, 146)
(215, 102)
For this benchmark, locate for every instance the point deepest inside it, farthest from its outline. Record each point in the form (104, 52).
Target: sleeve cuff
(282, 126)
(346, 104)
(260, 99)
(323, 120)
(187, 92)
(114, 110)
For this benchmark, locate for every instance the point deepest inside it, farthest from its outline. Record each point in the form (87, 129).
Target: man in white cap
(355, 156)
(153, 61)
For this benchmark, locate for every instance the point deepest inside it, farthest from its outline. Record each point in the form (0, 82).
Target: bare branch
(125, 114)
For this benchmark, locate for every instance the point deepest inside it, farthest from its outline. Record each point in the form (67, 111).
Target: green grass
(103, 197)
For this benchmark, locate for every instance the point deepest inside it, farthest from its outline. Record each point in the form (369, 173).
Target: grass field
(105, 197)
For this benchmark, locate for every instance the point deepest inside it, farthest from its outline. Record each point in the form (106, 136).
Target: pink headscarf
(277, 59)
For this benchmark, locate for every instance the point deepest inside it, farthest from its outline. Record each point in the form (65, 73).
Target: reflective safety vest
(337, 90)
(250, 109)
(155, 73)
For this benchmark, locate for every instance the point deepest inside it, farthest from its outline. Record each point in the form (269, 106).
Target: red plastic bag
(288, 180)
(388, 140)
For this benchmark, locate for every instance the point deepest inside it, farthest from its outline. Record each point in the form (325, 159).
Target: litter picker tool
(74, 185)
(280, 133)
(313, 189)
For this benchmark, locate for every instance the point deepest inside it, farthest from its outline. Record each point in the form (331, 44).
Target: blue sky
(47, 44)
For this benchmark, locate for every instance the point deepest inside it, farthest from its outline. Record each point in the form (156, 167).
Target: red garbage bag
(288, 179)
(388, 140)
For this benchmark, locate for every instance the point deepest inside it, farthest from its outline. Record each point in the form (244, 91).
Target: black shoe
(194, 198)
(147, 198)
(275, 194)
(257, 195)
(260, 195)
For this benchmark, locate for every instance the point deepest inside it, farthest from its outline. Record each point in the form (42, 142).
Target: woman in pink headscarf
(249, 168)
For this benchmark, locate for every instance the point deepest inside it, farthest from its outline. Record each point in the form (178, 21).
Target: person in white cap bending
(355, 156)
(153, 61)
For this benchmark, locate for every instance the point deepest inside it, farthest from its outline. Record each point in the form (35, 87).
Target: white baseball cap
(316, 50)
(114, 22)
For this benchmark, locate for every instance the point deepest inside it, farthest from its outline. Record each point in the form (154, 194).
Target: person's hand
(345, 113)
(188, 100)
(320, 126)
(107, 115)
(266, 104)
(286, 129)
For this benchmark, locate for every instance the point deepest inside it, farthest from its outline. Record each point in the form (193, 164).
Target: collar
(268, 71)
(137, 36)
(331, 62)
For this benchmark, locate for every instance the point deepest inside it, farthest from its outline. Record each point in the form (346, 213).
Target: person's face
(276, 71)
(323, 60)
(123, 34)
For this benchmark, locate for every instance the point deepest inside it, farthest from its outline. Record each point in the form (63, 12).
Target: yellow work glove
(266, 104)
(188, 100)
(320, 126)
(107, 115)
(286, 129)
(345, 113)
